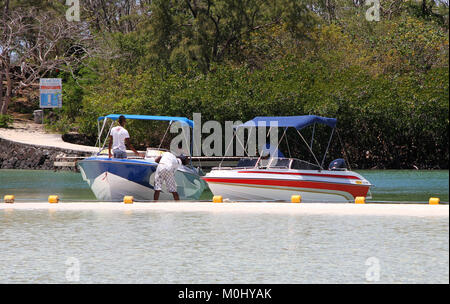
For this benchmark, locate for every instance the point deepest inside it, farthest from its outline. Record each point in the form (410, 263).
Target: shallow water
(160, 247)
(141, 246)
(408, 185)
(389, 185)
(31, 185)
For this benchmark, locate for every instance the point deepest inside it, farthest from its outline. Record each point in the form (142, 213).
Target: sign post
(50, 93)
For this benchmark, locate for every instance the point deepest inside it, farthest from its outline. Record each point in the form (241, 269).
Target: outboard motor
(337, 165)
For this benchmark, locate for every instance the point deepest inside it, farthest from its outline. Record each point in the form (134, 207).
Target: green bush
(5, 121)
(384, 121)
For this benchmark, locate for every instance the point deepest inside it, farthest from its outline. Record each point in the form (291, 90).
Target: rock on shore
(15, 155)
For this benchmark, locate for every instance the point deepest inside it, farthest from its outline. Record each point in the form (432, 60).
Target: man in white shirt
(165, 173)
(119, 140)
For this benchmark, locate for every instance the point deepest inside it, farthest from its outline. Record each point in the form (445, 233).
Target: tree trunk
(1, 85)
(3, 99)
(424, 8)
(7, 97)
(330, 8)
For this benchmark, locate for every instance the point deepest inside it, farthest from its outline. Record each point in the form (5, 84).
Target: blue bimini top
(298, 122)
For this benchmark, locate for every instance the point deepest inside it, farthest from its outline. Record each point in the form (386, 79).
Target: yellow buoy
(360, 200)
(296, 199)
(217, 199)
(9, 199)
(434, 201)
(53, 199)
(128, 199)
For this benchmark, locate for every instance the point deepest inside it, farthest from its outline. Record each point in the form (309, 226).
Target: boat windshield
(247, 163)
(286, 163)
(253, 163)
(298, 164)
(276, 163)
(281, 163)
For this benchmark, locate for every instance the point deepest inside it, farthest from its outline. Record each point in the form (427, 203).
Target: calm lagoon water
(42, 246)
(408, 185)
(389, 185)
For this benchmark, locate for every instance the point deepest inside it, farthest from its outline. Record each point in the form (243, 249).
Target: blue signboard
(50, 92)
(49, 100)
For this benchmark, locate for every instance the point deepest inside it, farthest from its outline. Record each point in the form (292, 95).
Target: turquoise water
(389, 185)
(31, 185)
(408, 185)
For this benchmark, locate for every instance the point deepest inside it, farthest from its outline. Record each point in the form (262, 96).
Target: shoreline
(30, 133)
(28, 146)
(26, 135)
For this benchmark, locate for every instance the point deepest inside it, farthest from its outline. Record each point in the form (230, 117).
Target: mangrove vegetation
(386, 81)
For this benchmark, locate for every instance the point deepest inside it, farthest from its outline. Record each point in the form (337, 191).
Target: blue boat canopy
(148, 117)
(298, 122)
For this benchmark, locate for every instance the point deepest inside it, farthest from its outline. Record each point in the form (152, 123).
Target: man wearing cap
(119, 140)
(168, 164)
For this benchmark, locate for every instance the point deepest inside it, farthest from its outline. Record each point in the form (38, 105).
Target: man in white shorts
(119, 140)
(165, 173)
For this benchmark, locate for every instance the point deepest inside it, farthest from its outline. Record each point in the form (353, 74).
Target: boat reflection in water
(278, 178)
(111, 179)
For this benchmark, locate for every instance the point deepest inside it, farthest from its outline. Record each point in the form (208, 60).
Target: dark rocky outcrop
(15, 155)
(78, 139)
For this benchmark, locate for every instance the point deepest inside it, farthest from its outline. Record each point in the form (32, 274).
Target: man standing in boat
(119, 140)
(168, 164)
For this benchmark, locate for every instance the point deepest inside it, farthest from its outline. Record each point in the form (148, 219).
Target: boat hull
(281, 185)
(112, 179)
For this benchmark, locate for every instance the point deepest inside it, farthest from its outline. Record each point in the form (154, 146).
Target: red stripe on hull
(305, 174)
(354, 190)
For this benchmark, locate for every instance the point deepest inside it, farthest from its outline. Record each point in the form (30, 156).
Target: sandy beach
(30, 133)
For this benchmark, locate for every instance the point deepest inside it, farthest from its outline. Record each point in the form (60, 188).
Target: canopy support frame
(107, 135)
(328, 147)
(310, 150)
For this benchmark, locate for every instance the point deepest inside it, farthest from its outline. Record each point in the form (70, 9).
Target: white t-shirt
(170, 161)
(119, 134)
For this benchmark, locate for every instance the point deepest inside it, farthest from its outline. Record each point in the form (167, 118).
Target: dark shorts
(120, 154)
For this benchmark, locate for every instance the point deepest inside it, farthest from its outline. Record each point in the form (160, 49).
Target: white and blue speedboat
(111, 179)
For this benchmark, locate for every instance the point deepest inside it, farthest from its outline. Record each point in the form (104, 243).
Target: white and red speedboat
(278, 178)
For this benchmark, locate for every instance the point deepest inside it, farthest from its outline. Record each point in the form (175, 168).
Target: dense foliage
(386, 82)
(5, 121)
